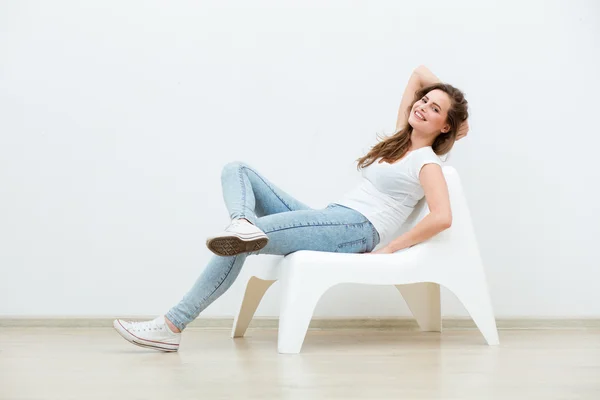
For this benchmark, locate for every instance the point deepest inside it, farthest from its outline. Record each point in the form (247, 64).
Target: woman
(397, 173)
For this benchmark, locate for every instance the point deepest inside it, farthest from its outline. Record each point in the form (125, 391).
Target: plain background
(116, 118)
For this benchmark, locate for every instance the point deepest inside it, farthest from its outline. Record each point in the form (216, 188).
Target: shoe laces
(237, 223)
(146, 326)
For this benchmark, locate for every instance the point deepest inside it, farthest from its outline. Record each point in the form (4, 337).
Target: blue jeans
(289, 225)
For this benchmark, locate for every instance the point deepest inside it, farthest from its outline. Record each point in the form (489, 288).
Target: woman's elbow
(421, 69)
(445, 222)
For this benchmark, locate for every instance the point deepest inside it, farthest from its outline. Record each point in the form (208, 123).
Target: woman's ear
(446, 128)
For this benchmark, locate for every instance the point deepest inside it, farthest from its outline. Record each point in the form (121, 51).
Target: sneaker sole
(149, 344)
(233, 245)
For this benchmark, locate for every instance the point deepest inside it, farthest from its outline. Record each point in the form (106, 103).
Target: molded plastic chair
(450, 259)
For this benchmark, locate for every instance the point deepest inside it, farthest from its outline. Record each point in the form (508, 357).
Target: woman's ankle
(171, 326)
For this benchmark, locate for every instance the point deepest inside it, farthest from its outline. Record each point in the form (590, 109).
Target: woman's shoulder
(427, 153)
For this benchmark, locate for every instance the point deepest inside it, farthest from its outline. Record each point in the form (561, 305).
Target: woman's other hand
(463, 130)
(383, 250)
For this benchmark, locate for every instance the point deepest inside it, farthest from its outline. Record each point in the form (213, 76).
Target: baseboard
(402, 323)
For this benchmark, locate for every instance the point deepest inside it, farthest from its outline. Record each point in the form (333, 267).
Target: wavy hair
(393, 148)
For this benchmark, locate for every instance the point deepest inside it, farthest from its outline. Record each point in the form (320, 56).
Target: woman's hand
(463, 129)
(383, 250)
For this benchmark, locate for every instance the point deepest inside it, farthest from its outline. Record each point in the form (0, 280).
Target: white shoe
(153, 334)
(239, 237)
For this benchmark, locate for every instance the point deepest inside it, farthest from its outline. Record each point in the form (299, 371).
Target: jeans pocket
(355, 246)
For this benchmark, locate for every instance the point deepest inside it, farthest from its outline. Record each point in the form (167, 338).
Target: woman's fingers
(463, 130)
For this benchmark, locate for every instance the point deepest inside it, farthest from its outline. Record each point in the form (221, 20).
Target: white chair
(450, 258)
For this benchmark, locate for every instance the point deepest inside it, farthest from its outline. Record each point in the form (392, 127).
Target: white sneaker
(239, 237)
(153, 334)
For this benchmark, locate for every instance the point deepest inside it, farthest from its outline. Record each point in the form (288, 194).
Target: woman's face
(428, 115)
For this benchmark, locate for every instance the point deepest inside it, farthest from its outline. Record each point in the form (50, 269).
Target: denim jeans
(290, 226)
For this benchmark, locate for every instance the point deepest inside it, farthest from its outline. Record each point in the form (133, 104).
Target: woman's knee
(232, 167)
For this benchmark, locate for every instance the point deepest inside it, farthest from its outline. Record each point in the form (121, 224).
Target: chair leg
(255, 290)
(423, 299)
(298, 303)
(474, 296)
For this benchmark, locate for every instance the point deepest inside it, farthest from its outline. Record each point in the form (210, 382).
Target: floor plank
(96, 363)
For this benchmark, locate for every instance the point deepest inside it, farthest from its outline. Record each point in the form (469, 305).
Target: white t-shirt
(388, 193)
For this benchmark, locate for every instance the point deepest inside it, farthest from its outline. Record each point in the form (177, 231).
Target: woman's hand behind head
(463, 130)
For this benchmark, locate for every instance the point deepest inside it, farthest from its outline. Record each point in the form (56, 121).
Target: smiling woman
(436, 115)
(266, 220)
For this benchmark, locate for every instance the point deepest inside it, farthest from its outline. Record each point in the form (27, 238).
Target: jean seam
(269, 186)
(352, 243)
(375, 234)
(309, 225)
(196, 311)
(243, 185)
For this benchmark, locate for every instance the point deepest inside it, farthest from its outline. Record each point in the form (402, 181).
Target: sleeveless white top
(388, 193)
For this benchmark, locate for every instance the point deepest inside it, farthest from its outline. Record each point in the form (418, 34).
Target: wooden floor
(96, 363)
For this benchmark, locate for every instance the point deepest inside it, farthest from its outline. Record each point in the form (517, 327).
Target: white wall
(117, 116)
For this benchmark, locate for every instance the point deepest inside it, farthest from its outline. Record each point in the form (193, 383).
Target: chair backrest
(461, 229)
